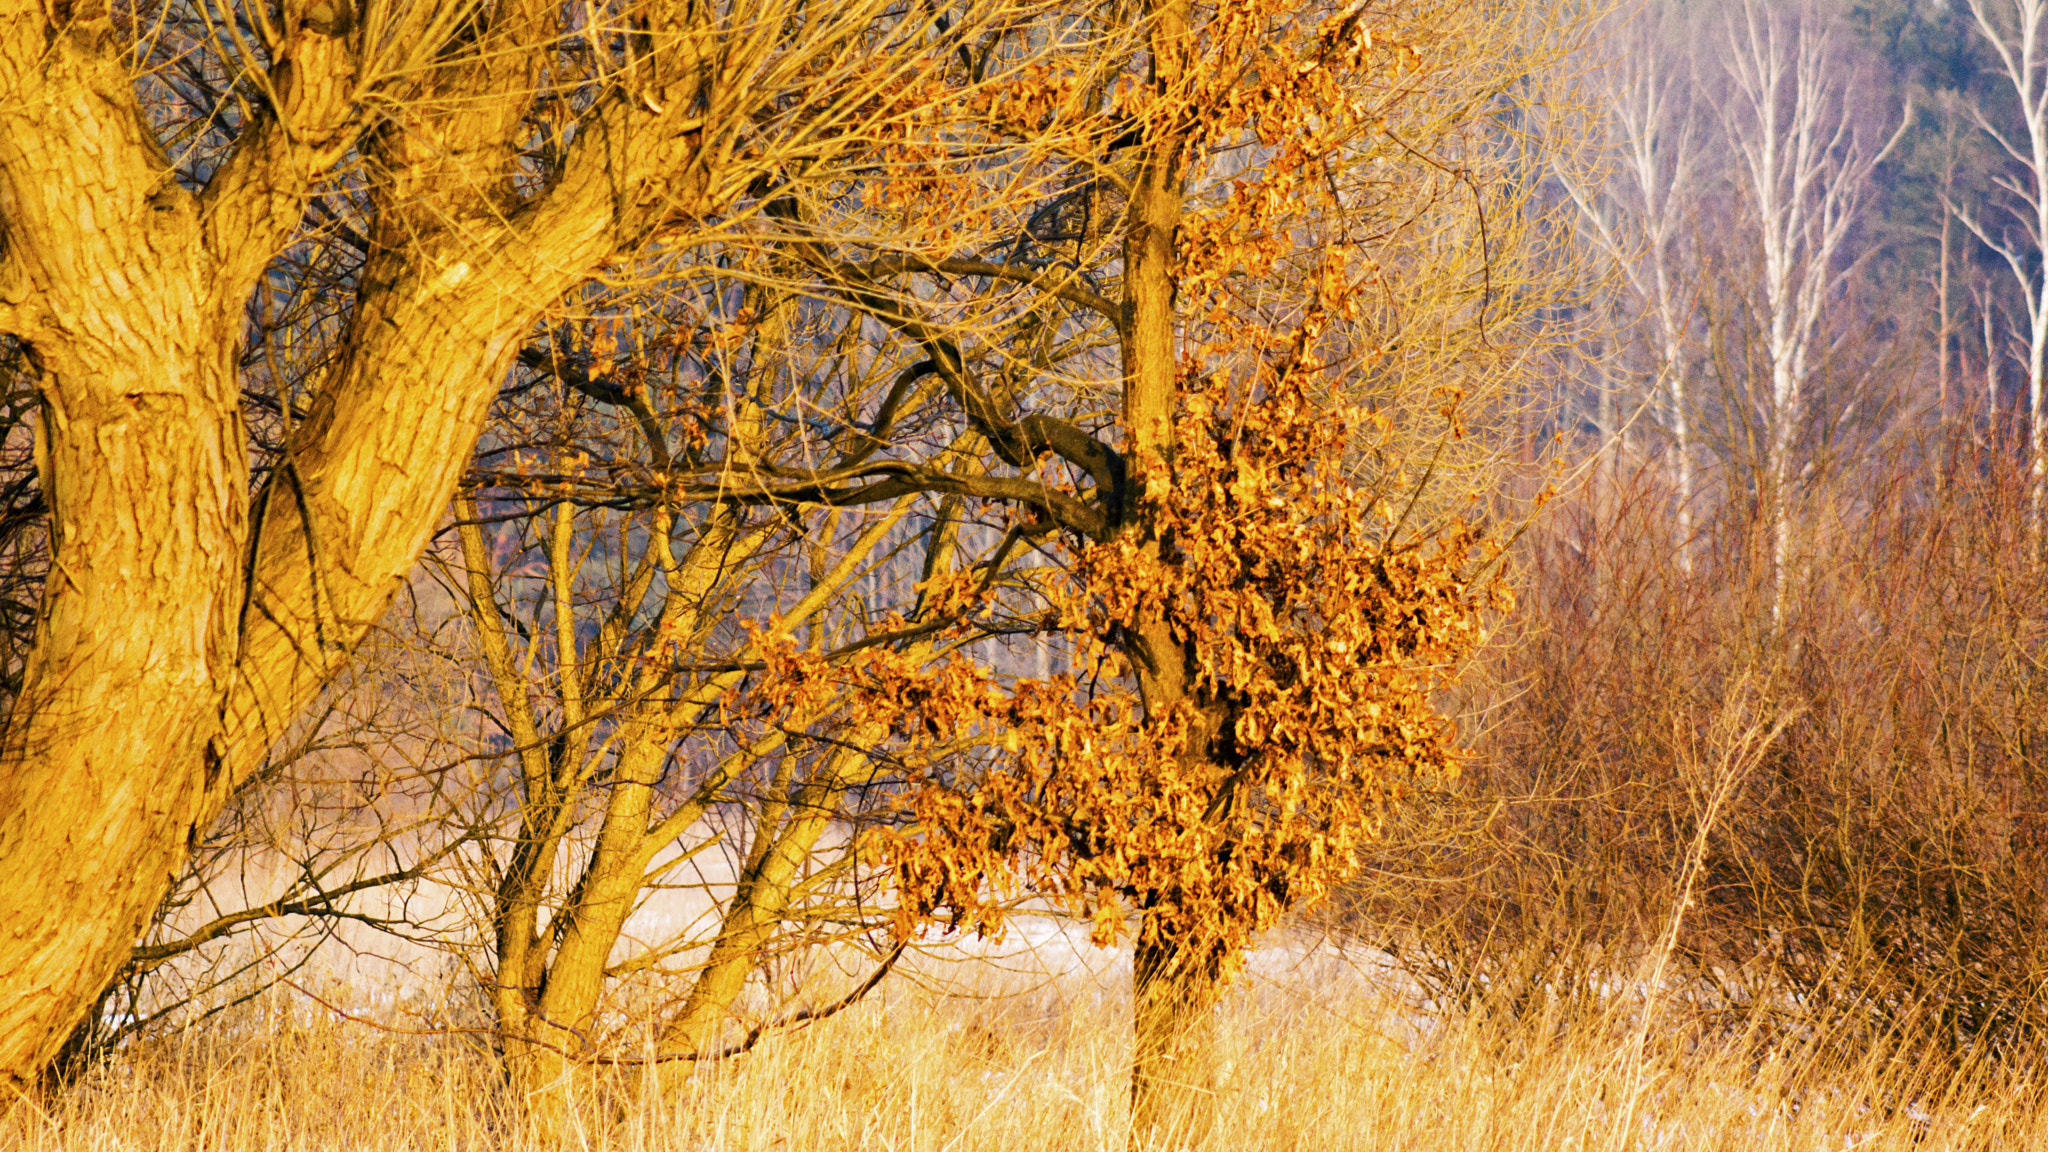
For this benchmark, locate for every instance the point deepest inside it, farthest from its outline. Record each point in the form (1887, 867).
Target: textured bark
(459, 271)
(1150, 354)
(1150, 360)
(128, 290)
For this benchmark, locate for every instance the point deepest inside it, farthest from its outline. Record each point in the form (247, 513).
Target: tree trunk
(107, 753)
(1173, 1059)
(551, 1087)
(183, 625)
(759, 903)
(151, 693)
(1172, 993)
(103, 773)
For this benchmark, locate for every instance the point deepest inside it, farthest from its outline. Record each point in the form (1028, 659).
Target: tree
(1238, 375)
(1643, 100)
(448, 170)
(1265, 250)
(2014, 31)
(1313, 629)
(619, 632)
(1801, 169)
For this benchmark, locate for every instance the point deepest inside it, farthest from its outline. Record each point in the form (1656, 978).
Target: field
(1318, 1053)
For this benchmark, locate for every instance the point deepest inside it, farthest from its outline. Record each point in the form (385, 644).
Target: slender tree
(1800, 170)
(1638, 218)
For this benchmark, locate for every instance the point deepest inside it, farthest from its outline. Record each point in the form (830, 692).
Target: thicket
(1877, 867)
(1767, 728)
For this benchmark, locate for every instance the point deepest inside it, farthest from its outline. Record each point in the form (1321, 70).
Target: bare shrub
(1884, 864)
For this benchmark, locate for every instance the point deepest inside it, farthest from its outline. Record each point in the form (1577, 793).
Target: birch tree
(1638, 217)
(2014, 29)
(1800, 168)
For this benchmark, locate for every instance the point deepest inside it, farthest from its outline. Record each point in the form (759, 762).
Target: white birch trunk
(1801, 168)
(1636, 221)
(2013, 28)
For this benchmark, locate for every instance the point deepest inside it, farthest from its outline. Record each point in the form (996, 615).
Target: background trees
(1803, 167)
(1640, 219)
(2013, 32)
(1878, 866)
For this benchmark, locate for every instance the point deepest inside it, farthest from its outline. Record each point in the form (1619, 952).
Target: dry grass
(1320, 1058)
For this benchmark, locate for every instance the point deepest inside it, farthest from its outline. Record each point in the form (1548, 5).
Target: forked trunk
(555, 1093)
(551, 1040)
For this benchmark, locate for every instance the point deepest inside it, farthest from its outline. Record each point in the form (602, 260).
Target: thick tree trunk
(368, 477)
(105, 758)
(123, 745)
(105, 772)
(153, 691)
(184, 627)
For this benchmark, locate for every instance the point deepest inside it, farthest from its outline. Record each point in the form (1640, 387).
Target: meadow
(1320, 1050)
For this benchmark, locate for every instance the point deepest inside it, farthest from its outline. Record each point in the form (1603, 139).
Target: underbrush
(1728, 870)
(1879, 867)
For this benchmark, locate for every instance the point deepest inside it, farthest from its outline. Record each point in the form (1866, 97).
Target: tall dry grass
(1326, 1059)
